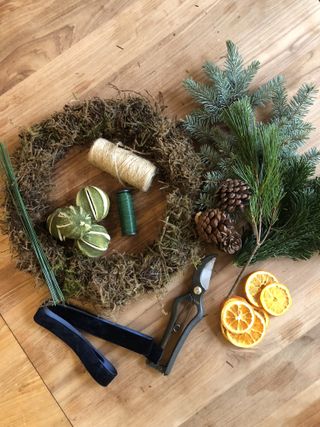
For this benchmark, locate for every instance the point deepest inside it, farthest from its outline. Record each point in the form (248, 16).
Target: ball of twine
(123, 164)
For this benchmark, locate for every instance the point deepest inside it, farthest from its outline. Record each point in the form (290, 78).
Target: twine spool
(126, 212)
(123, 164)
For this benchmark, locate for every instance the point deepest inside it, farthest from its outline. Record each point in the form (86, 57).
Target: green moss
(110, 281)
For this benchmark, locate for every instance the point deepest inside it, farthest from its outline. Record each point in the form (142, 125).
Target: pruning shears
(66, 322)
(181, 310)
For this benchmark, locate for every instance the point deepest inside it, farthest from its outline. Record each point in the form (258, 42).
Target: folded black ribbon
(66, 321)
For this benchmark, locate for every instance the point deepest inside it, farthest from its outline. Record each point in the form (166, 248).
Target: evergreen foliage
(284, 207)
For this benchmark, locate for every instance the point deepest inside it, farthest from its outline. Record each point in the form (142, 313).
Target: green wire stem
(5, 163)
(126, 212)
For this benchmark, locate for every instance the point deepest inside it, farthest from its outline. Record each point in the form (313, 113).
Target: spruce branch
(279, 97)
(284, 208)
(203, 94)
(301, 102)
(226, 85)
(265, 92)
(200, 125)
(250, 73)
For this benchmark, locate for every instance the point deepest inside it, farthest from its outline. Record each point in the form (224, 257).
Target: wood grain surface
(24, 398)
(54, 52)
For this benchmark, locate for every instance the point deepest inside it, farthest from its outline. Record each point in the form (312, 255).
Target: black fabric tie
(66, 321)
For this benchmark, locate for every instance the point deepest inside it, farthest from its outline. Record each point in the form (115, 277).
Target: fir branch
(297, 171)
(239, 78)
(208, 156)
(234, 62)
(221, 85)
(205, 201)
(234, 69)
(265, 92)
(289, 116)
(297, 235)
(200, 125)
(312, 156)
(279, 97)
(264, 155)
(294, 132)
(301, 102)
(204, 95)
(226, 86)
(250, 73)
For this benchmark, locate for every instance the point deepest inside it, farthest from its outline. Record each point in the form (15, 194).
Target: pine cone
(215, 226)
(232, 243)
(232, 194)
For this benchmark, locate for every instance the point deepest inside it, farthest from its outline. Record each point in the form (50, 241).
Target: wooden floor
(54, 51)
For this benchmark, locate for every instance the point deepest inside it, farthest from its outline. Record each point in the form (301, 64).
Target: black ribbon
(66, 321)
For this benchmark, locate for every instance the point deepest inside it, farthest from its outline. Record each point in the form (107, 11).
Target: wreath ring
(138, 122)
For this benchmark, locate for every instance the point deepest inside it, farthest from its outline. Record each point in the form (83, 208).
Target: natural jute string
(123, 164)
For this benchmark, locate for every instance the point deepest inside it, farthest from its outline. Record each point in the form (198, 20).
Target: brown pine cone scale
(232, 194)
(231, 244)
(215, 226)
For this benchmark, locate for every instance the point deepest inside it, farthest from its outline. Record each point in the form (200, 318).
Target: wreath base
(109, 281)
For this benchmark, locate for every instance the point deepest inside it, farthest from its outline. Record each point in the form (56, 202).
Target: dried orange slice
(252, 337)
(235, 298)
(255, 283)
(275, 299)
(237, 316)
(223, 330)
(264, 314)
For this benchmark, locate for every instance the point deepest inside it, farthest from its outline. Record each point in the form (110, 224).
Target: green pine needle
(56, 293)
(284, 206)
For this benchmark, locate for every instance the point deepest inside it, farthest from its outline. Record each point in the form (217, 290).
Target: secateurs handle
(193, 322)
(174, 326)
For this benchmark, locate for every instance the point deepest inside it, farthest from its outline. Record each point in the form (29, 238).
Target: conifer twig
(259, 243)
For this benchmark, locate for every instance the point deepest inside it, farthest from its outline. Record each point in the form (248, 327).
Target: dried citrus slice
(255, 283)
(275, 299)
(223, 330)
(237, 316)
(235, 298)
(250, 338)
(264, 314)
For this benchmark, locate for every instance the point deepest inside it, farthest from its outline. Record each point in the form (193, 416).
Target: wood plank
(162, 42)
(302, 410)
(34, 32)
(142, 30)
(24, 399)
(270, 386)
(194, 375)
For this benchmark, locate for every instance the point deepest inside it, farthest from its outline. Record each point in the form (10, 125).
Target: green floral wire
(56, 293)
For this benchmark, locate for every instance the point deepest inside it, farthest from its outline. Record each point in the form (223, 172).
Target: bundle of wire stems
(13, 188)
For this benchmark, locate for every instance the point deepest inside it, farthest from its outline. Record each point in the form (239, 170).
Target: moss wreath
(139, 122)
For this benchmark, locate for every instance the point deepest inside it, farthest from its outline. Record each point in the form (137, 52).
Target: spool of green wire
(126, 212)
